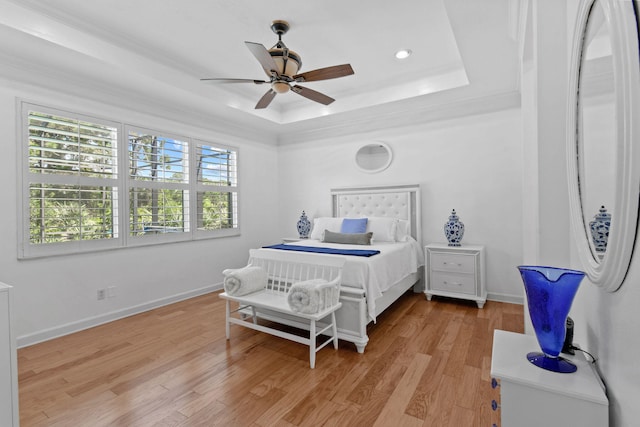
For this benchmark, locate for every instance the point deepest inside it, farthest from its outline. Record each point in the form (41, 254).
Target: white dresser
(532, 397)
(9, 415)
(455, 271)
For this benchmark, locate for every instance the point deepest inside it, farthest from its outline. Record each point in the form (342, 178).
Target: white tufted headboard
(402, 202)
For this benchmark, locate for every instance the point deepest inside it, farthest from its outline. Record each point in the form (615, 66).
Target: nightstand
(531, 396)
(291, 239)
(455, 271)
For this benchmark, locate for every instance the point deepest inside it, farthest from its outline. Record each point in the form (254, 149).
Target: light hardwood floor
(427, 364)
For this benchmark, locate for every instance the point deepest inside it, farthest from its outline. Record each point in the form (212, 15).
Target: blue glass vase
(550, 292)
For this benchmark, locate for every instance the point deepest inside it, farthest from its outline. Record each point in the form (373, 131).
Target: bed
(370, 284)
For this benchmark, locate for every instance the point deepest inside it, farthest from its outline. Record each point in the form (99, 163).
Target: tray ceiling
(463, 51)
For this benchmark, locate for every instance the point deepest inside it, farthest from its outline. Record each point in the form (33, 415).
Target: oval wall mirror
(603, 167)
(374, 157)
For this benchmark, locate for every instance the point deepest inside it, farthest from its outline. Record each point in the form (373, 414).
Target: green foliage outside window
(68, 213)
(58, 147)
(75, 192)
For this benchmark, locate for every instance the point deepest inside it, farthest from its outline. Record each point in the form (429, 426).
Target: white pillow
(383, 229)
(402, 231)
(325, 223)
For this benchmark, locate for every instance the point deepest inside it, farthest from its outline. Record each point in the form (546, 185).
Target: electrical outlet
(111, 292)
(101, 294)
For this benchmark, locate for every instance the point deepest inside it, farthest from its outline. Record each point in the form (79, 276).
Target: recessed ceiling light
(403, 53)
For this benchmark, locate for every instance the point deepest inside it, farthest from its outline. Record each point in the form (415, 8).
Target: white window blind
(159, 184)
(68, 146)
(62, 213)
(217, 188)
(217, 166)
(158, 159)
(79, 172)
(71, 179)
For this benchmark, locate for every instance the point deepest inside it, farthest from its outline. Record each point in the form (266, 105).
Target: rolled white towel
(306, 297)
(243, 281)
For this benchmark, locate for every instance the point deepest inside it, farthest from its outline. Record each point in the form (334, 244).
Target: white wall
(472, 164)
(57, 295)
(605, 323)
(610, 323)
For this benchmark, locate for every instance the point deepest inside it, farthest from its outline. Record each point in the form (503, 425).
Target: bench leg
(226, 319)
(335, 330)
(253, 313)
(312, 344)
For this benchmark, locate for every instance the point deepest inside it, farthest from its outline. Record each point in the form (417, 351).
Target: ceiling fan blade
(266, 99)
(216, 80)
(264, 58)
(312, 95)
(325, 73)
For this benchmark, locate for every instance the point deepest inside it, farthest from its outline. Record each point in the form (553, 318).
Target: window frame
(132, 183)
(224, 232)
(121, 185)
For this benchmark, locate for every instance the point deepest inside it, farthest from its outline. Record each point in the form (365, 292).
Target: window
(217, 197)
(84, 187)
(159, 184)
(71, 181)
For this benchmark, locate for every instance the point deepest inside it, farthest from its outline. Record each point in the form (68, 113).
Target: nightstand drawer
(453, 282)
(457, 263)
(455, 271)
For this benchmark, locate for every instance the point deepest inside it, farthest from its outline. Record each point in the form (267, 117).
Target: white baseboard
(513, 299)
(69, 328)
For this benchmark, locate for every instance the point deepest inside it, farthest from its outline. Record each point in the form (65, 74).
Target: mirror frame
(381, 168)
(609, 272)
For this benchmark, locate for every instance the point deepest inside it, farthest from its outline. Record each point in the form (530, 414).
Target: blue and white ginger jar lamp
(454, 229)
(600, 230)
(304, 226)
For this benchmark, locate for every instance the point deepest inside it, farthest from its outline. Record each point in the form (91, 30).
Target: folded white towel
(243, 281)
(307, 297)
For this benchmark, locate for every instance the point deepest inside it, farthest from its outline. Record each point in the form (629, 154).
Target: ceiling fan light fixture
(280, 87)
(403, 53)
(288, 64)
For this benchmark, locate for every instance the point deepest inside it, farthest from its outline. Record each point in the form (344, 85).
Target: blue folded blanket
(319, 250)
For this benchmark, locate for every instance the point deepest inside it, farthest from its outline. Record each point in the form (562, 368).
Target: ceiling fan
(281, 66)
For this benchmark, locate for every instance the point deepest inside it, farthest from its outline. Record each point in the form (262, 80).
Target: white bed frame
(402, 202)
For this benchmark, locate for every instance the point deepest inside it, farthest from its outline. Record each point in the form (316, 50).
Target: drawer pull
(494, 383)
(452, 263)
(494, 405)
(452, 283)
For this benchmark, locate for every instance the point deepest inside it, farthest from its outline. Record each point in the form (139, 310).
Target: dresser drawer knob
(494, 383)
(494, 405)
(452, 263)
(452, 283)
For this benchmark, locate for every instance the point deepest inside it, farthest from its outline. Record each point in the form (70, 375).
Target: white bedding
(378, 273)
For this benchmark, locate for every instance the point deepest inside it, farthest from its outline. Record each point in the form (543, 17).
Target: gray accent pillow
(347, 238)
